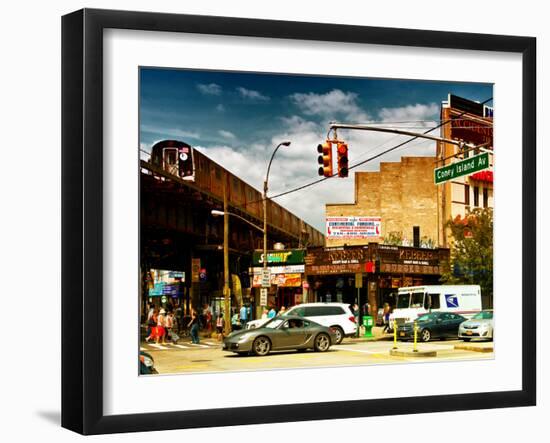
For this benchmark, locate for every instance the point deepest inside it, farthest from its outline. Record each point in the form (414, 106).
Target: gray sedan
(281, 333)
(479, 326)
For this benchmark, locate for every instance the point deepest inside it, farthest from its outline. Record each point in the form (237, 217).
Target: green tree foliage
(472, 250)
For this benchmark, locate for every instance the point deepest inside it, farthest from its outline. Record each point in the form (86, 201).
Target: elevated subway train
(180, 159)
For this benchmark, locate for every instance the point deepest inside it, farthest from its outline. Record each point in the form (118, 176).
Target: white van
(414, 301)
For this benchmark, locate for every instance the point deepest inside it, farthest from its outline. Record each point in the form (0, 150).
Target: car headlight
(146, 361)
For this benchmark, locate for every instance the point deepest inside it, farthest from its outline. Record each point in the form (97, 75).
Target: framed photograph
(269, 221)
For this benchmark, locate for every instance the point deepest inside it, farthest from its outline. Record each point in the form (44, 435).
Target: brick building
(402, 196)
(470, 122)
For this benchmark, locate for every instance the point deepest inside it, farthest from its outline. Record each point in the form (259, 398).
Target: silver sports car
(281, 333)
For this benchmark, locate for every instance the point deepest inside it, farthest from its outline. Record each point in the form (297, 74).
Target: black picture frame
(82, 218)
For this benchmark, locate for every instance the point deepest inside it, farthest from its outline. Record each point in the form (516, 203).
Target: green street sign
(463, 167)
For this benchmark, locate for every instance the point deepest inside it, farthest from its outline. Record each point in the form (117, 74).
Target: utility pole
(226, 289)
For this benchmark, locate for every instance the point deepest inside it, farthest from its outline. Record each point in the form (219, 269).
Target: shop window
(467, 195)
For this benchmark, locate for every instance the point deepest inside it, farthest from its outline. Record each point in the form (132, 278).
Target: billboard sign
(353, 227)
(279, 258)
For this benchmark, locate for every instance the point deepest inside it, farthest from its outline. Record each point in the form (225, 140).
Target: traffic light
(325, 159)
(342, 159)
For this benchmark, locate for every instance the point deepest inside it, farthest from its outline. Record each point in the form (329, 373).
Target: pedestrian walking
(264, 314)
(152, 325)
(220, 323)
(282, 310)
(194, 325)
(356, 314)
(235, 323)
(169, 325)
(272, 313)
(386, 317)
(208, 319)
(161, 327)
(243, 317)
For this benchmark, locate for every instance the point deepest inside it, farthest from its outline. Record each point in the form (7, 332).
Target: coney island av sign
(353, 227)
(464, 167)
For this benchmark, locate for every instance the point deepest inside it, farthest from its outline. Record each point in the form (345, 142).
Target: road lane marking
(181, 346)
(154, 345)
(199, 345)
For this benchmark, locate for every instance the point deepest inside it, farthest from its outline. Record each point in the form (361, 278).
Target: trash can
(368, 323)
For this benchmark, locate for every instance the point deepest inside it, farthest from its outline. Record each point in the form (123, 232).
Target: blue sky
(238, 118)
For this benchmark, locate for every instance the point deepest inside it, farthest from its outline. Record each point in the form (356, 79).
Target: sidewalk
(377, 335)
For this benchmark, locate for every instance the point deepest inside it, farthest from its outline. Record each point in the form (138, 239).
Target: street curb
(398, 353)
(474, 348)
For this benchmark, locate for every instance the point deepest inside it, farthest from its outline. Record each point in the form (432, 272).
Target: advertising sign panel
(279, 258)
(353, 227)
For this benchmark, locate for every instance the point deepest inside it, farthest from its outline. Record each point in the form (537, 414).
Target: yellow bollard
(415, 336)
(394, 334)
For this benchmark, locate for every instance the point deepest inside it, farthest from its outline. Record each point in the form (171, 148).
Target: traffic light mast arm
(334, 126)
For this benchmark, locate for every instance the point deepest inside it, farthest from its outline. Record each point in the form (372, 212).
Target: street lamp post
(287, 143)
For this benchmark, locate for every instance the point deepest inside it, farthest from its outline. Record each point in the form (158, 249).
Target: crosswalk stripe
(154, 345)
(181, 346)
(199, 345)
(141, 348)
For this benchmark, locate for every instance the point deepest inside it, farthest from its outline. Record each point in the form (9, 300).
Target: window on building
(476, 196)
(485, 197)
(467, 195)
(416, 236)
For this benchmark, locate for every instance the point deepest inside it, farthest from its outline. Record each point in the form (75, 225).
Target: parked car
(479, 326)
(332, 315)
(146, 364)
(433, 325)
(281, 333)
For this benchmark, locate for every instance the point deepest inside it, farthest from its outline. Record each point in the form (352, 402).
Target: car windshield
(403, 301)
(483, 315)
(274, 323)
(426, 317)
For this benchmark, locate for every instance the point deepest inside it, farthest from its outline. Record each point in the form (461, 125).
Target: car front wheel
(322, 343)
(261, 346)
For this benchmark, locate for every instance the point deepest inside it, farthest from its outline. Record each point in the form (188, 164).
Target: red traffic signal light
(325, 159)
(342, 160)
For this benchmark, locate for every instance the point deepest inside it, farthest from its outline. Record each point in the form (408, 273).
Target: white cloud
(332, 105)
(252, 95)
(170, 132)
(417, 112)
(209, 89)
(226, 134)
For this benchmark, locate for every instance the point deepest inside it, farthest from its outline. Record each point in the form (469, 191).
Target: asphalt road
(209, 356)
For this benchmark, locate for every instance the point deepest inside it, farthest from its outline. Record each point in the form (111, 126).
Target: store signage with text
(353, 227)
